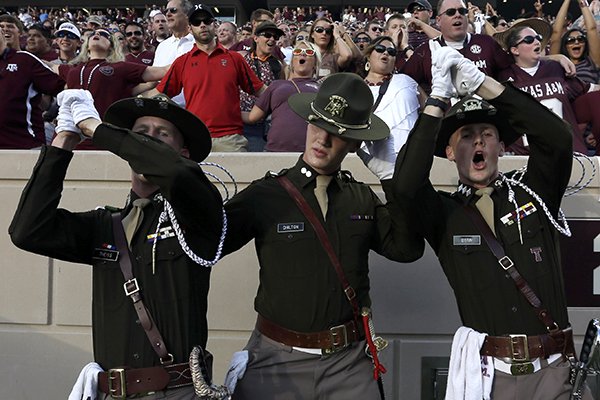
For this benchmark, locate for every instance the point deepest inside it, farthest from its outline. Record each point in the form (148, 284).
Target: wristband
(432, 101)
(407, 48)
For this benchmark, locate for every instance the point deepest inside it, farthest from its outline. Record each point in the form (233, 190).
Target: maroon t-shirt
(108, 82)
(246, 45)
(145, 58)
(483, 50)
(23, 78)
(551, 88)
(288, 129)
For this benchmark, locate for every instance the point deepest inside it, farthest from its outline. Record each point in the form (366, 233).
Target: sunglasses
(451, 11)
(269, 35)
(134, 33)
(577, 39)
(320, 29)
(390, 50)
(300, 38)
(529, 39)
(376, 29)
(67, 35)
(172, 10)
(419, 9)
(305, 52)
(205, 21)
(102, 33)
(362, 40)
(293, 29)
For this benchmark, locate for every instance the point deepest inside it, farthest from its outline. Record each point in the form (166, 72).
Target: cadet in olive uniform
(173, 287)
(473, 135)
(300, 296)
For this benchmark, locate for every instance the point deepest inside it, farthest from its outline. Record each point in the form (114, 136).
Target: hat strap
(341, 127)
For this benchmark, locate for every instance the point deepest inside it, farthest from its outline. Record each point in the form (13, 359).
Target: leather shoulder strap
(133, 291)
(323, 238)
(507, 264)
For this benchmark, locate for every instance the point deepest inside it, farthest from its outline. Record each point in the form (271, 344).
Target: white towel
(237, 369)
(470, 375)
(86, 386)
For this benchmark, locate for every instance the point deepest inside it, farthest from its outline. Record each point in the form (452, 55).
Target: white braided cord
(211, 164)
(577, 187)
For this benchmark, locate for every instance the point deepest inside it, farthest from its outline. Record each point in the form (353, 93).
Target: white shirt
(168, 50)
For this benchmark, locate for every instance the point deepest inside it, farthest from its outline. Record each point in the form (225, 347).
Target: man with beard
(134, 34)
(209, 76)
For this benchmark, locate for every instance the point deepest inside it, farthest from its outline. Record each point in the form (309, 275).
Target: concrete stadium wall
(45, 304)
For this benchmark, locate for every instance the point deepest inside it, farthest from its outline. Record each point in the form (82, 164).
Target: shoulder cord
(577, 186)
(168, 214)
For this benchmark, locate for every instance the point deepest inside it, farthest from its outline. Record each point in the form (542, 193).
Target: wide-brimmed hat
(472, 110)
(69, 27)
(125, 112)
(342, 106)
(537, 24)
(268, 26)
(200, 8)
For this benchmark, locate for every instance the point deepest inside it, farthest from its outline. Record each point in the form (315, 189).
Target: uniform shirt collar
(304, 175)
(466, 193)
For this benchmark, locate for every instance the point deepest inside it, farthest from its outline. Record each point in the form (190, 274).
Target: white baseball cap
(69, 27)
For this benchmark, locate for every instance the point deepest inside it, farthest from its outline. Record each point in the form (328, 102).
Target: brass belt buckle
(521, 368)
(516, 357)
(120, 375)
(339, 339)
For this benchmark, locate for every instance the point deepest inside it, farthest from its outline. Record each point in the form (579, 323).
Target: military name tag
(105, 254)
(290, 227)
(466, 240)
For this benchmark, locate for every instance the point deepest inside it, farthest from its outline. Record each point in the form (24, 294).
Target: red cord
(378, 368)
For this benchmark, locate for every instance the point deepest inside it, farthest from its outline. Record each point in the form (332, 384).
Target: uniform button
(137, 321)
(136, 356)
(138, 258)
(290, 236)
(507, 276)
(171, 253)
(514, 309)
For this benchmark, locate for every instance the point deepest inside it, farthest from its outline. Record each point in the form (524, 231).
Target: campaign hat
(123, 113)
(473, 110)
(342, 106)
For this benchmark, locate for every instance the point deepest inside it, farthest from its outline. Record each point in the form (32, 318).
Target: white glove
(81, 103)
(237, 369)
(86, 386)
(379, 156)
(64, 121)
(442, 60)
(466, 77)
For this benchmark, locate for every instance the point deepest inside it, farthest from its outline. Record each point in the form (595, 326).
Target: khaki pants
(277, 372)
(230, 143)
(549, 383)
(184, 393)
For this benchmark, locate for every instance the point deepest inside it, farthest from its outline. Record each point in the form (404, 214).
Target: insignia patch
(359, 217)
(107, 70)
(464, 189)
(537, 253)
(147, 61)
(163, 233)
(12, 67)
(336, 106)
(224, 62)
(475, 49)
(288, 227)
(105, 254)
(522, 212)
(466, 240)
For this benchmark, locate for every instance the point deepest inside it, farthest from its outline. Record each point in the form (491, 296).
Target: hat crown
(470, 104)
(345, 99)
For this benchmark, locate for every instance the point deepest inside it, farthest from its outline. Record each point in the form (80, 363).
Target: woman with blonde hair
(335, 44)
(101, 69)
(288, 130)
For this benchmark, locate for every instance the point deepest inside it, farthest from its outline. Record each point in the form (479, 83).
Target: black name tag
(466, 240)
(290, 227)
(105, 254)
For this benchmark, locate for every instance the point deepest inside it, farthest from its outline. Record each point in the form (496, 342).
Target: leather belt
(331, 340)
(123, 382)
(523, 348)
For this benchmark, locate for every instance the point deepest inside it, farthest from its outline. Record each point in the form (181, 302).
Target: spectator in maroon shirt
(134, 35)
(11, 29)
(23, 81)
(226, 34)
(39, 43)
(160, 31)
(422, 12)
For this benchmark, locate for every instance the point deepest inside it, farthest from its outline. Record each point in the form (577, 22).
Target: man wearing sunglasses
(68, 39)
(181, 40)
(418, 32)
(543, 79)
(374, 29)
(257, 17)
(211, 76)
(135, 36)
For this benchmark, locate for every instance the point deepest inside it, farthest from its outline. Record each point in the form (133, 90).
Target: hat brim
(506, 132)
(275, 29)
(125, 112)
(538, 25)
(300, 104)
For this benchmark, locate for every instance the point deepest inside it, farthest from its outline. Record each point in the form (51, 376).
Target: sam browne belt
(522, 348)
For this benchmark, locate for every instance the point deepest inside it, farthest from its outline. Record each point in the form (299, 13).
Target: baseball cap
(69, 27)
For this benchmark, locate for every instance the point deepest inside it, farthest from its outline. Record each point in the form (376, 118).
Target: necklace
(381, 82)
(296, 86)
(89, 81)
